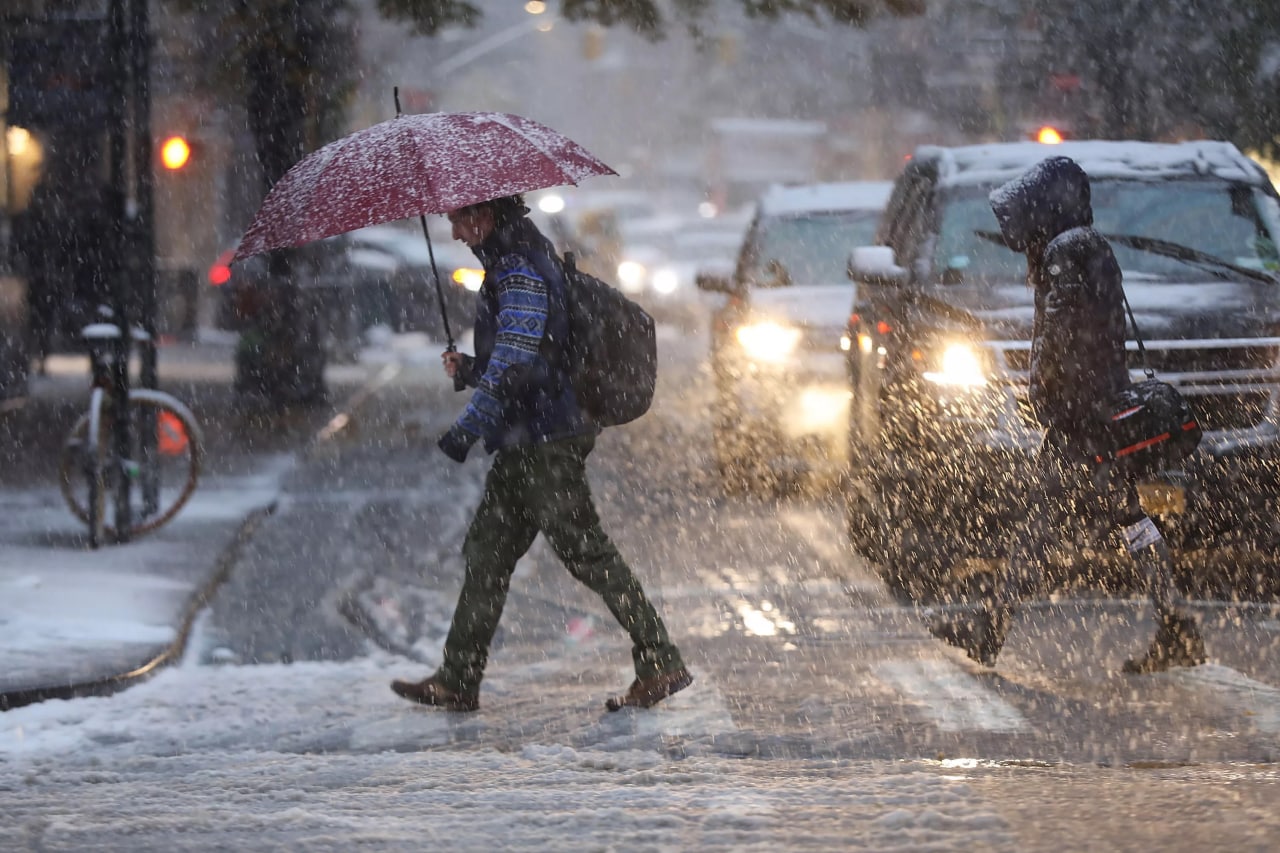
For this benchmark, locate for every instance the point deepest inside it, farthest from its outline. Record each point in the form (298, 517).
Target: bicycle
(165, 448)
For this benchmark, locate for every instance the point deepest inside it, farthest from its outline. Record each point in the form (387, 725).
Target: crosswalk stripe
(1261, 702)
(949, 697)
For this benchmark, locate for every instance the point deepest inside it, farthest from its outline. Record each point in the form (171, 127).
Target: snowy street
(822, 716)
(945, 517)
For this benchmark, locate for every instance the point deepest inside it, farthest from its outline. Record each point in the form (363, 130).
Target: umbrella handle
(459, 384)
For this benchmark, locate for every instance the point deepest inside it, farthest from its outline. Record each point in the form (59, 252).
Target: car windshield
(710, 245)
(1177, 230)
(808, 249)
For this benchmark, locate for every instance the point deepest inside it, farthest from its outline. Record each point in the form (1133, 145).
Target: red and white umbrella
(413, 165)
(410, 166)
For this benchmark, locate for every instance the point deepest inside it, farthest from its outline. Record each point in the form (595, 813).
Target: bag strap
(1142, 350)
(568, 266)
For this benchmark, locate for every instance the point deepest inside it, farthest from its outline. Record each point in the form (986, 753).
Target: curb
(112, 683)
(226, 561)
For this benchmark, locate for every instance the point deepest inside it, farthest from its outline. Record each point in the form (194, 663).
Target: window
(1231, 223)
(808, 249)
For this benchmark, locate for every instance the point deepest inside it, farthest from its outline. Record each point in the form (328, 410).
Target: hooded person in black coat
(1077, 370)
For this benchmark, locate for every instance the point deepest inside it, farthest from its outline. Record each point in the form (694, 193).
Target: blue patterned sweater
(521, 398)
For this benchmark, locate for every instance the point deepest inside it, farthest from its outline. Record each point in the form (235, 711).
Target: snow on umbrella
(409, 166)
(413, 165)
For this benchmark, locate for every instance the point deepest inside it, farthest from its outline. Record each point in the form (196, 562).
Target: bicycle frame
(109, 351)
(145, 435)
(94, 472)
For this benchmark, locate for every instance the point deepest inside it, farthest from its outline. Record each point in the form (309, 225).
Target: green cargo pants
(544, 488)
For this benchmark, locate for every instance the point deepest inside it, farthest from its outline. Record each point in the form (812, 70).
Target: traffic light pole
(140, 262)
(117, 194)
(142, 258)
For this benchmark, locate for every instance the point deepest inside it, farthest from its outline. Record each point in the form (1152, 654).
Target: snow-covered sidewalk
(74, 619)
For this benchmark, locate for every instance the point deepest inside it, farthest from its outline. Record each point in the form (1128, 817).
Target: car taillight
(220, 272)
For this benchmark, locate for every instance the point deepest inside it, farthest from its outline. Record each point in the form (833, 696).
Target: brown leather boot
(647, 692)
(1177, 643)
(430, 691)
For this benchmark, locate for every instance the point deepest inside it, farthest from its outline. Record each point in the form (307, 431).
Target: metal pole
(144, 222)
(142, 247)
(117, 118)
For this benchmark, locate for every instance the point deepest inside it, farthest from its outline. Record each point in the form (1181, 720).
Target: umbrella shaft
(435, 273)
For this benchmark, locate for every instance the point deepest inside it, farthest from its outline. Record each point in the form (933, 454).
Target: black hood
(1049, 198)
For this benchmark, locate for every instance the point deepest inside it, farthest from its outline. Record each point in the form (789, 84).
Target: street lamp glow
(535, 7)
(19, 140)
(175, 152)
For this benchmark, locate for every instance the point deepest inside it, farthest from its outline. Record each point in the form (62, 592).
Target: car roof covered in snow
(995, 163)
(787, 200)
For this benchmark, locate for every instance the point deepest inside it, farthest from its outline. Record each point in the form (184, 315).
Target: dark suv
(940, 432)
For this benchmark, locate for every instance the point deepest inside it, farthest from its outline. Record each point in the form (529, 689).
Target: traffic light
(175, 152)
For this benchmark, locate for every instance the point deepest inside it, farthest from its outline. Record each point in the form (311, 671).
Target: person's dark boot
(430, 691)
(647, 692)
(1177, 643)
(980, 635)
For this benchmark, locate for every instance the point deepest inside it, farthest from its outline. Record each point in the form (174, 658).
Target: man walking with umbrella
(524, 411)
(472, 166)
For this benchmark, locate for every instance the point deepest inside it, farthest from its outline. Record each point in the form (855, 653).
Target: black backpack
(611, 354)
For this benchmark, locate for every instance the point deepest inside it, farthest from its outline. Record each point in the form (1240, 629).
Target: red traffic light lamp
(175, 152)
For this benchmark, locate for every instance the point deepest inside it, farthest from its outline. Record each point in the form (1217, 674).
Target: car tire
(914, 557)
(736, 467)
(863, 528)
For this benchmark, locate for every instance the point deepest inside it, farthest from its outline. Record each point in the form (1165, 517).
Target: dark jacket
(1077, 345)
(522, 396)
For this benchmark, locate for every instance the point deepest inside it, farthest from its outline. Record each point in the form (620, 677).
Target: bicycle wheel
(164, 461)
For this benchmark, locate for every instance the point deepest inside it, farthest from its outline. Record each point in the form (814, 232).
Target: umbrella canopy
(413, 165)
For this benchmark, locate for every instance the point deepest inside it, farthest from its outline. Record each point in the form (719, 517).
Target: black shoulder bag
(1152, 425)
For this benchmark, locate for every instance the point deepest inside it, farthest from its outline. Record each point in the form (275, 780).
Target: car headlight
(958, 365)
(631, 275)
(768, 341)
(665, 281)
(551, 203)
(469, 278)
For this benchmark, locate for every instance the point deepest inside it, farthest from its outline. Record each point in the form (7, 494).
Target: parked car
(671, 291)
(411, 302)
(659, 260)
(288, 335)
(941, 436)
(782, 395)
